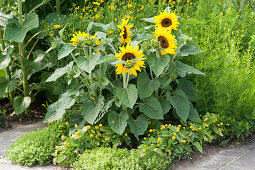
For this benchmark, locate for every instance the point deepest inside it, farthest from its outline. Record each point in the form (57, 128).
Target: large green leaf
(166, 105)
(88, 65)
(189, 88)
(158, 64)
(4, 61)
(16, 32)
(138, 126)
(146, 86)
(118, 122)
(90, 110)
(193, 115)
(57, 110)
(60, 72)
(180, 102)
(3, 86)
(11, 85)
(151, 108)
(56, 19)
(65, 51)
(189, 49)
(20, 104)
(198, 146)
(127, 96)
(187, 68)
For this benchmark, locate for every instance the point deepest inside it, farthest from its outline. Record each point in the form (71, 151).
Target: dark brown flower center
(125, 33)
(163, 42)
(128, 56)
(166, 22)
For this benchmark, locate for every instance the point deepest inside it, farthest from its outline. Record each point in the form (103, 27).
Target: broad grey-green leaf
(89, 26)
(189, 88)
(158, 64)
(151, 20)
(3, 86)
(90, 110)
(146, 86)
(138, 126)
(189, 49)
(11, 85)
(16, 32)
(166, 105)
(106, 58)
(198, 146)
(127, 96)
(187, 68)
(193, 115)
(151, 108)
(60, 72)
(4, 61)
(65, 51)
(181, 104)
(118, 122)
(56, 19)
(57, 110)
(88, 65)
(20, 104)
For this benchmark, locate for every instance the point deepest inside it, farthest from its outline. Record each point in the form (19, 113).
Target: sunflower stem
(127, 79)
(151, 74)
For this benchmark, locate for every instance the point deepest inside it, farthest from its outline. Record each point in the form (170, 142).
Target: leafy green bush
(112, 158)
(179, 141)
(2, 118)
(35, 147)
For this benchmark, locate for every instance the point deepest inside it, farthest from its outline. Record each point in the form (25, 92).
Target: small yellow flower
(96, 127)
(206, 125)
(144, 150)
(61, 131)
(144, 138)
(199, 128)
(78, 132)
(227, 12)
(91, 136)
(56, 26)
(93, 131)
(59, 126)
(155, 149)
(57, 148)
(67, 123)
(169, 153)
(110, 32)
(173, 137)
(184, 128)
(51, 35)
(111, 7)
(150, 130)
(159, 140)
(149, 134)
(205, 119)
(178, 130)
(179, 125)
(100, 125)
(166, 125)
(193, 129)
(149, 122)
(190, 127)
(126, 134)
(153, 130)
(174, 134)
(95, 3)
(184, 141)
(221, 123)
(101, 1)
(99, 134)
(76, 126)
(113, 121)
(66, 144)
(130, 5)
(71, 138)
(221, 13)
(63, 137)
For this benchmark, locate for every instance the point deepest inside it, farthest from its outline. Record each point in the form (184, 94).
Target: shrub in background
(112, 158)
(35, 147)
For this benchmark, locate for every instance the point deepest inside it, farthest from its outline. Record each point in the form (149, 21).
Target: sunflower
(82, 36)
(167, 41)
(167, 20)
(125, 32)
(133, 60)
(77, 37)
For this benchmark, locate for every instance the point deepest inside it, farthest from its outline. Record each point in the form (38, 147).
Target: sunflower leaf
(118, 122)
(151, 108)
(151, 20)
(65, 51)
(187, 68)
(127, 96)
(88, 65)
(138, 126)
(158, 64)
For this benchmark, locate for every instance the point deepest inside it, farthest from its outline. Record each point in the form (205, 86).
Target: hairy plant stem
(22, 55)
(58, 6)
(11, 94)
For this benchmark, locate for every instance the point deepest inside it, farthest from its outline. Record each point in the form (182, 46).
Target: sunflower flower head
(125, 32)
(167, 41)
(132, 60)
(82, 36)
(167, 21)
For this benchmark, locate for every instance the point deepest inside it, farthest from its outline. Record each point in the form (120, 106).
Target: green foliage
(35, 147)
(179, 141)
(82, 138)
(2, 118)
(112, 158)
